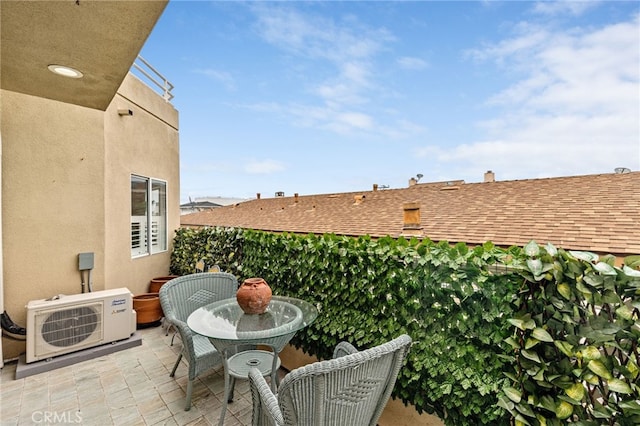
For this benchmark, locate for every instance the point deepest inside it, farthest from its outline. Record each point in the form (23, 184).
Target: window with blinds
(148, 216)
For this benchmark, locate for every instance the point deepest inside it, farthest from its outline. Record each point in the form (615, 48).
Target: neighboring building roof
(599, 213)
(220, 201)
(199, 204)
(206, 203)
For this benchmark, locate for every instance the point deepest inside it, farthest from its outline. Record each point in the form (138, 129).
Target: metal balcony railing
(154, 77)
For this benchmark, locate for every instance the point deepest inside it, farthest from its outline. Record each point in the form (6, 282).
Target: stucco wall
(52, 200)
(66, 189)
(146, 144)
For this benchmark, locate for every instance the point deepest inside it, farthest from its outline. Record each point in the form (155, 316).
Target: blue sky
(323, 97)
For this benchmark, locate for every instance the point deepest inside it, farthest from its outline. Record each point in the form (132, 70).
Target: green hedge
(454, 301)
(212, 246)
(575, 340)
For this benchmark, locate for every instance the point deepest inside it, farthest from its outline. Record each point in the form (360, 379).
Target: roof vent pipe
(489, 176)
(375, 186)
(258, 196)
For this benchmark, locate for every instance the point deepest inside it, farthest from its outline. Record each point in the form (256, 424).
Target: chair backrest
(183, 295)
(351, 390)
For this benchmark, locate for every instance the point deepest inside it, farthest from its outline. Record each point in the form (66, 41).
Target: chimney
(413, 181)
(489, 176)
(375, 186)
(258, 196)
(411, 219)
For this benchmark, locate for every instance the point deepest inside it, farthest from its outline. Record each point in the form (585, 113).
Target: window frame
(148, 248)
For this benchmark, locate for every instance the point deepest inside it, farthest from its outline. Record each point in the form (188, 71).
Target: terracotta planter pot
(147, 307)
(156, 283)
(254, 296)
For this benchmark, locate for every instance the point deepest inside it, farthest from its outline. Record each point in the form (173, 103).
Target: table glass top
(225, 320)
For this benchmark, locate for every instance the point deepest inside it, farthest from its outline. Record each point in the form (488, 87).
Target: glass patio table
(228, 328)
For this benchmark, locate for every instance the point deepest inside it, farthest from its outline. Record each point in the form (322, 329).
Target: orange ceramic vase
(254, 296)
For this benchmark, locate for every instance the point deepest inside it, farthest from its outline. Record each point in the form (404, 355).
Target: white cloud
(558, 7)
(412, 63)
(355, 120)
(315, 36)
(536, 149)
(348, 49)
(348, 122)
(339, 95)
(348, 46)
(574, 111)
(531, 37)
(263, 166)
(347, 88)
(223, 77)
(356, 73)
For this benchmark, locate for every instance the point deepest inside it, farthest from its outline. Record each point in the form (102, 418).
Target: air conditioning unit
(69, 323)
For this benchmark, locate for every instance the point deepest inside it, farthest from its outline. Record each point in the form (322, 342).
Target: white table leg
(226, 388)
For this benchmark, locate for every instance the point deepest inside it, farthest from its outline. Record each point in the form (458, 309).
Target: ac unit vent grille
(69, 323)
(69, 327)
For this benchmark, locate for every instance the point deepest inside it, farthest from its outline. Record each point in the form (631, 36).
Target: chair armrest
(344, 348)
(265, 403)
(186, 335)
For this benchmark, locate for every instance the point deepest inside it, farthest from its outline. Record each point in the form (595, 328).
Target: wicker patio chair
(350, 389)
(179, 298)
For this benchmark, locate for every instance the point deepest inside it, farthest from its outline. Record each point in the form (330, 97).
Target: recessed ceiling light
(65, 71)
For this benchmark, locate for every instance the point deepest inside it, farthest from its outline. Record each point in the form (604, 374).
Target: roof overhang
(101, 39)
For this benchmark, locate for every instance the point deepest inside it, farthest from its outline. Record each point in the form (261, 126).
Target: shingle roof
(598, 213)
